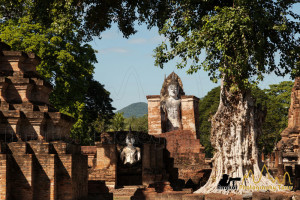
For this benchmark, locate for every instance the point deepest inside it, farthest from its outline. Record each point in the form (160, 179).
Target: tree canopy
(67, 61)
(278, 104)
(240, 39)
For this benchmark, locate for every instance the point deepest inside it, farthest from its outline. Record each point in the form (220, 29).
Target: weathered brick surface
(91, 152)
(290, 142)
(188, 154)
(287, 153)
(190, 113)
(30, 167)
(19, 183)
(105, 168)
(275, 196)
(154, 115)
(24, 92)
(44, 176)
(3, 176)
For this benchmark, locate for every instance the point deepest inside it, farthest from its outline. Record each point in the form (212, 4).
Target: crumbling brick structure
(186, 154)
(287, 153)
(36, 162)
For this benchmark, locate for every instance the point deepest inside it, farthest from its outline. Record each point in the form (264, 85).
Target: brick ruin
(287, 153)
(108, 175)
(290, 141)
(172, 162)
(36, 160)
(184, 149)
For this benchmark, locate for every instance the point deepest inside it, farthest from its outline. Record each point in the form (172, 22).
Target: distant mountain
(136, 109)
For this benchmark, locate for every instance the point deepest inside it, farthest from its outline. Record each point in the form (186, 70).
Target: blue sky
(126, 67)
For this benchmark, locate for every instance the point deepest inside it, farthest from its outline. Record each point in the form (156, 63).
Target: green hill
(136, 109)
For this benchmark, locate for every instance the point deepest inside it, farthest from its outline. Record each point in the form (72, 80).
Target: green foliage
(240, 39)
(279, 97)
(91, 18)
(135, 110)
(276, 100)
(117, 122)
(139, 124)
(52, 31)
(95, 116)
(208, 106)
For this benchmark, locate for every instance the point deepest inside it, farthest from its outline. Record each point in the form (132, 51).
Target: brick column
(154, 115)
(107, 164)
(3, 183)
(276, 158)
(20, 172)
(147, 176)
(43, 171)
(63, 179)
(190, 113)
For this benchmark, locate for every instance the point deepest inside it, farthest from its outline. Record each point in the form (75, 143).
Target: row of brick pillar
(37, 170)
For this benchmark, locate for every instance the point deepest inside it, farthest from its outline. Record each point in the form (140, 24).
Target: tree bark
(235, 127)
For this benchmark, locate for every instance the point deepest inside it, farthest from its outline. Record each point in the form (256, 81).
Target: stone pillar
(107, 163)
(36, 120)
(276, 158)
(43, 171)
(159, 156)
(63, 176)
(154, 115)
(272, 157)
(3, 177)
(146, 156)
(190, 113)
(20, 172)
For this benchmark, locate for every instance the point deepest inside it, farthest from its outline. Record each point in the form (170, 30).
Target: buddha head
(172, 87)
(129, 140)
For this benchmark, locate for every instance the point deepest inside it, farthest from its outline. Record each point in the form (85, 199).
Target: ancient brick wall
(105, 167)
(187, 154)
(30, 166)
(25, 110)
(33, 171)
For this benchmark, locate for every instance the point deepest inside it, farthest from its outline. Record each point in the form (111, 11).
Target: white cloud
(137, 41)
(114, 50)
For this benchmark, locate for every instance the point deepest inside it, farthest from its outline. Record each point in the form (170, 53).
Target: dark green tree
(278, 103)
(139, 124)
(117, 122)
(53, 32)
(208, 106)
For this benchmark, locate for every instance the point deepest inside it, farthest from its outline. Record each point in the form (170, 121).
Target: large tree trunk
(235, 127)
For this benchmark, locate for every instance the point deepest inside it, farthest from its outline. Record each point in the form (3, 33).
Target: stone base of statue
(187, 166)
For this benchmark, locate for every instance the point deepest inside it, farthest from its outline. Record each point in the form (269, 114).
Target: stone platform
(141, 194)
